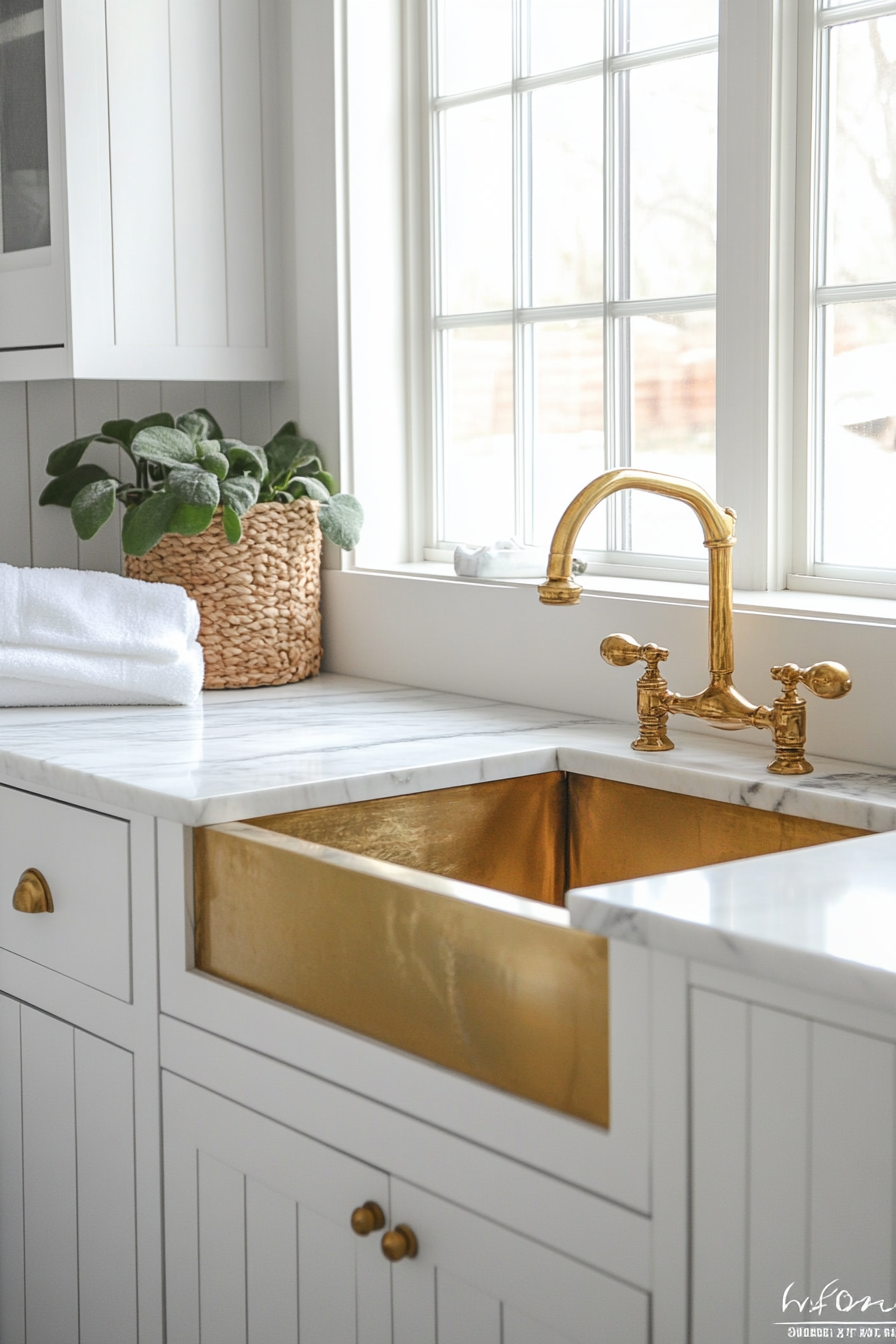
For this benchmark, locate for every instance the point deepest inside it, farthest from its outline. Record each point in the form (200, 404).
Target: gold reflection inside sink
(285, 908)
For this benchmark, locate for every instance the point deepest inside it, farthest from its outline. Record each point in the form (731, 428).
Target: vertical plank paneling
(222, 1253)
(15, 515)
(464, 1313)
(178, 398)
(669, 1146)
(51, 421)
(138, 399)
(255, 412)
(181, 1189)
(51, 1206)
(243, 175)
(140, 164)
(326, 1310)
(851, 1161)
(198, 159)
(779, 1160)
(284, 406)
(95, 403)
(272, 1265)
(12, 1212)
(223, 400)
(719, 1138)
(107, 1236)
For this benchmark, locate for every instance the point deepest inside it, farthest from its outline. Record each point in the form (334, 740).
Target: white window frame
(808, 574)
(767, 203)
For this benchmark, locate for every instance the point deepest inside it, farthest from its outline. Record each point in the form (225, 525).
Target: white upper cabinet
(139, 166)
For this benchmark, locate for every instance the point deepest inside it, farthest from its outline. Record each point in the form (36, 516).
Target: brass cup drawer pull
(400, 1243)
(368, 1218)
(33, 896)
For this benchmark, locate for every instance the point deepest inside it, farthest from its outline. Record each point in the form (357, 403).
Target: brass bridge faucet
(721, 704)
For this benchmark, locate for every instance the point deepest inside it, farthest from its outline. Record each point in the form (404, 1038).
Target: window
(648, 232)
(852, 426)
(573, 167)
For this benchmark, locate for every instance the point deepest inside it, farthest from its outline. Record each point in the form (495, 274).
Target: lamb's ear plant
(184, 471)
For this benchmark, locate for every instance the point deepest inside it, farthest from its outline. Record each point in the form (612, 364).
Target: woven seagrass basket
(259, 601)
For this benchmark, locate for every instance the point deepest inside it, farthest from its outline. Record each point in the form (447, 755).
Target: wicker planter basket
(259, 600)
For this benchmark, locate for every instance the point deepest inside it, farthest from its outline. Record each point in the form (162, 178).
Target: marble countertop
(822, 918)
(334, 739)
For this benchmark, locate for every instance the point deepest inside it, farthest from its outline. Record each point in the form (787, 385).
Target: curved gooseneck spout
(721, 703)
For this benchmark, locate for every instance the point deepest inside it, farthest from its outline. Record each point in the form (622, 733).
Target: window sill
(838, 606)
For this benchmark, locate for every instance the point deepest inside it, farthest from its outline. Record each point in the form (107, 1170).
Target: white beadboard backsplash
(36, 417)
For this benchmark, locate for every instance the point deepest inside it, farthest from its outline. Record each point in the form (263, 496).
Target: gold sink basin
(396, 918)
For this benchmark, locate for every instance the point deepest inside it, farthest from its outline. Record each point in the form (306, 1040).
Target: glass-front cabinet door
(32, 292)
(24, 153)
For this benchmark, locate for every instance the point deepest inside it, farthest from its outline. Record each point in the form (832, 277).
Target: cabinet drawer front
(83, 857)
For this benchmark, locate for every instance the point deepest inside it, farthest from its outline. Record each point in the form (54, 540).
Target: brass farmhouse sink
(396, 918)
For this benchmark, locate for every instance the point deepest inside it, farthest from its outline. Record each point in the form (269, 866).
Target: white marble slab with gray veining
(820, 919)
(334, 739)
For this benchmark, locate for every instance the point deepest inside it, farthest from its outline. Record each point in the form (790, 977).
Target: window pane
(657, 23)
(567, 193)
(478, 449)
(674, 430)
(672, 171)
(859, 451)
(563, 33)
(475, 44)
(478, 207)
(862, 172)
(568, 440)
(24, 176)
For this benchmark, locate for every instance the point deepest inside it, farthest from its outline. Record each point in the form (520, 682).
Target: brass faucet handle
(622, 651)
(829, 681)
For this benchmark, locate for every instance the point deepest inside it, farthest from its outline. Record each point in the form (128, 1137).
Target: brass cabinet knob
(400, 1243)
(33, 896)
(368, 1218)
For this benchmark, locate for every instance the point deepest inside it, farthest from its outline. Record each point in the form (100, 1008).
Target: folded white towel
(30, 676)
(84, 611)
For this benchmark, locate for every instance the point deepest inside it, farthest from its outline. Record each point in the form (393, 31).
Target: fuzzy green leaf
(314, 488)
(91, 506)
(245, 458)
(289, 430)
(217, 464)
(233, 528)
(239, 493)
(164, 445)
(199, 424)
(286, 455)
(163, 419)
(192, 485)
(62, 489)
(328, 481)
(147, 524)
(66, 458)
(341, 519)
(120, 430)
(191, 519)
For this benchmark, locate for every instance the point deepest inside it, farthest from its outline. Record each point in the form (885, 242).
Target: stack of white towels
(70, 637)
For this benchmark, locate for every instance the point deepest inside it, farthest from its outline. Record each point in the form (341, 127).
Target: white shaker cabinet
(792, 1164)
(68, 1253)
(259, 1250)
(140, 230)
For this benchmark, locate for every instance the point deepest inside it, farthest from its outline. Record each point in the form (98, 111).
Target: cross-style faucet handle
(622, 651)
(828, 680)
